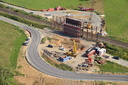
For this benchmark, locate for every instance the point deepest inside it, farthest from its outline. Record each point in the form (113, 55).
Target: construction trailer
(64, 58)
(90, 52)
(72, 27)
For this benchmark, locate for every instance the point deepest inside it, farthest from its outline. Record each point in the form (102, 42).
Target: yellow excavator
(72, 52)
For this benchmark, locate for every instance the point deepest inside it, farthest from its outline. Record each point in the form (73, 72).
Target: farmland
(11, 38)
(39, 4)
(116, 18)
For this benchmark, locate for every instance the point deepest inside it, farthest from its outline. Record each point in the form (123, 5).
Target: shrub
(5, 75)
(2, 6)
(117, 51)
(43, 40)
(23, 12)
(25, 21)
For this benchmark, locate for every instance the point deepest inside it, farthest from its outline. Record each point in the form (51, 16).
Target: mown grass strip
(113, 67)
(45, 4)
(11, 39)
(117, 51)
(117, 19)
(17, 45)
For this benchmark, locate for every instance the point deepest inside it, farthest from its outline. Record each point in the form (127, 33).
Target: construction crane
(72, 52)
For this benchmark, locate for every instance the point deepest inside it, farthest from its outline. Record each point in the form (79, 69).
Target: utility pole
(92, 32)
(96, 34)
(54, 20)
(87, 33)
(9, 9)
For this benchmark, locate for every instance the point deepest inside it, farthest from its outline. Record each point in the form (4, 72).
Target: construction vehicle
(73, 52)
(89, 25)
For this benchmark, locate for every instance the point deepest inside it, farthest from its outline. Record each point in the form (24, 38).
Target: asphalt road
(35, 60)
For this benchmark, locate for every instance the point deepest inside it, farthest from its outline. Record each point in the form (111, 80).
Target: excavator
(72, 52)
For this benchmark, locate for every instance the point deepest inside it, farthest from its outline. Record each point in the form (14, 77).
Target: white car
(61, 49)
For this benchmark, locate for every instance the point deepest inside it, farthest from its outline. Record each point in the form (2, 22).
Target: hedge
(23, 12)
(25, 21)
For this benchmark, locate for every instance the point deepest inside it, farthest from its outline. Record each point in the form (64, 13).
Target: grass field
(44, 4)
(113, 67)
(117, 18)
(11, 39)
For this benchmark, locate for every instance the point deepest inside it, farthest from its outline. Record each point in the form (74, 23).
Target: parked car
(69, 15)
(31, 12)
(50, 46)
(116, 57)
(47, 14)
(25, 44)
(61, 49)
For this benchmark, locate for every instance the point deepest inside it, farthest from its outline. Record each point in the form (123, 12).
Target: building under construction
(72, 27)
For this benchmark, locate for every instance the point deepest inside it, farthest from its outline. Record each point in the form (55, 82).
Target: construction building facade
(72, 27)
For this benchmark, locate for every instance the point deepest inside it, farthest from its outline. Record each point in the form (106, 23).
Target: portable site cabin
(64, 58)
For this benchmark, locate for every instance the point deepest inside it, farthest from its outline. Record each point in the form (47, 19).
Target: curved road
(35, 60)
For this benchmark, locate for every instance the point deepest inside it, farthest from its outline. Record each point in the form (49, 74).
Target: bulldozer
(72, 52)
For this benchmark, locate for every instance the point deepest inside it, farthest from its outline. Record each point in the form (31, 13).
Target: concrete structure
(72, 27)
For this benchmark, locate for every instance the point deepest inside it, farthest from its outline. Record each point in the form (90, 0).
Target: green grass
(22, 20)
(43, 40)
(117, 51)
(11, 39)
(45, 4)
(104, 83)
(117, 18)
(113, 67)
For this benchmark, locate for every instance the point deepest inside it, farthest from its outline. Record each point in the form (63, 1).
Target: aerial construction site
(74, 52)
(69, 45)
